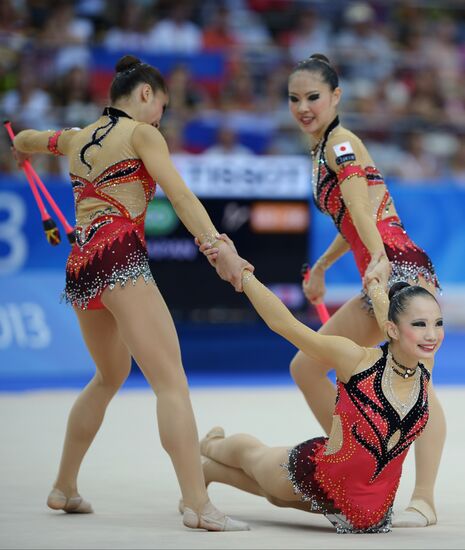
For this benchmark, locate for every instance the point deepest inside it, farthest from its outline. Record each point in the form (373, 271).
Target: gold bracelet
(246, 276)
(210, 237)
(378, 291)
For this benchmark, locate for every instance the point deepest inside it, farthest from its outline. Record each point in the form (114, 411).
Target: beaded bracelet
(52, 145)
(246, 277)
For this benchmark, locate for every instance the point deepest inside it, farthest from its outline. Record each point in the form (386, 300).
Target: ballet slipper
(211, 519)
(57, 500)
(418, 514)
(215, 433)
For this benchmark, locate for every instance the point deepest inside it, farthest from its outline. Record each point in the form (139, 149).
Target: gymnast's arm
(354, 191)
(150, 145)
(335, 250)
(336, 351)
(35, 141)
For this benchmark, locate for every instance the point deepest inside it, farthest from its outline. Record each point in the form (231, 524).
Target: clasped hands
(377, 272)
(225, 259)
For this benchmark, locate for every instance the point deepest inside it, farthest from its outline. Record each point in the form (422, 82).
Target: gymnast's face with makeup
(416, 329)
(312, 102)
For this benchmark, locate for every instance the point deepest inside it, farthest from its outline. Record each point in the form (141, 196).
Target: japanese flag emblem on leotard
(344, 152)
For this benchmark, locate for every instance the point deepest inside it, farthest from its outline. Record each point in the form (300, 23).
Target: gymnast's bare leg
(113, 364)
(143, 328)
(246, 463)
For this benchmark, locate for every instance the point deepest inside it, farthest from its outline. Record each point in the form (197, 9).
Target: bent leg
(352, 321)
(214, 471)
(260, 463)
(220, 473)
(113, 364)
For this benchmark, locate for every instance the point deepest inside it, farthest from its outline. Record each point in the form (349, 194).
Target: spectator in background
(227, 143)
(248, 29)
(309, 34)
(442, 53)
(131, 30)
(456, 166)
(362, 50)
(67, 36)
(173, 134)
(426, 102)
(216, 33)
(28, 104)
(175, 33)
(239, 92)
(186, 97)
(416, 165)
(73, 98)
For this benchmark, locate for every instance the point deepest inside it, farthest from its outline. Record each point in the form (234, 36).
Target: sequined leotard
(111, 189)
(355, 485)
(408, 261)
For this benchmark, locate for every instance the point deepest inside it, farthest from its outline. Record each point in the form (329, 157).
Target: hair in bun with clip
(130, 72)
(319, 63)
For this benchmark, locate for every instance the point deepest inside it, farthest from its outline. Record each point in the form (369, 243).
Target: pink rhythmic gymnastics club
(321, 309)
(50, 228)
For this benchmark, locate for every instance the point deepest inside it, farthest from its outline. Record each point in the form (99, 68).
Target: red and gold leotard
(112, 189)
(348, 153)
(355, 484)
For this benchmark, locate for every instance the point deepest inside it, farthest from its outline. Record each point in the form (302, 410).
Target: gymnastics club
(51, 230)
(321, 309)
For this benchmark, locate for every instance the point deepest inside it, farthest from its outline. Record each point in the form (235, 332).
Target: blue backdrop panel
(40, 341)
(204, 65)
(23, 245)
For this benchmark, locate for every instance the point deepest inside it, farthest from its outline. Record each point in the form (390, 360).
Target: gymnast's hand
(314, 287)
(20, 157)
(211, 252)
(229, 266)
(378, 271)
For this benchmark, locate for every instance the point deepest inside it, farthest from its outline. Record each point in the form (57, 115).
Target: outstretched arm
(152, 149)
(48, 142)
(340, 353)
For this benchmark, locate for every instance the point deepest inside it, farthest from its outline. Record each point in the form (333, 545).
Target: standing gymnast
(114, 164)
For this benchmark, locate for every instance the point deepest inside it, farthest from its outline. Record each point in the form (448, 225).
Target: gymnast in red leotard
(114, 164)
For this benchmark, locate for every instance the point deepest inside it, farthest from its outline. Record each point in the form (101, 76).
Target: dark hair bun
(127, 62)
(320, 57)
(397, 287)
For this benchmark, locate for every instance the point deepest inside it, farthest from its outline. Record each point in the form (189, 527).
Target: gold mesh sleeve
(380, 301)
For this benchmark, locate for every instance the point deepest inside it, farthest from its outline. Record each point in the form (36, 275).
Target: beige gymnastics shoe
(57, 500)
(418, 514)
(210, 519)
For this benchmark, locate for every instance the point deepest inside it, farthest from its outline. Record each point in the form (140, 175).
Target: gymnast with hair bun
(115, 164)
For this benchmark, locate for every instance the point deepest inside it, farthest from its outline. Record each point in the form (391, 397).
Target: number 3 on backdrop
(13, 243)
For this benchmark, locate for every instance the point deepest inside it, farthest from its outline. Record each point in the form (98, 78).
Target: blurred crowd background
(226, 62)
(401, 65)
